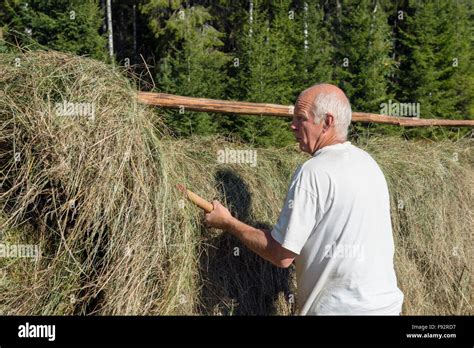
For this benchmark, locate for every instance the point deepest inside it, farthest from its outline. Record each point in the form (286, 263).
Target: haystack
(89, 177)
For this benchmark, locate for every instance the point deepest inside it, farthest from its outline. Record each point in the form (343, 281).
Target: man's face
(305, 130)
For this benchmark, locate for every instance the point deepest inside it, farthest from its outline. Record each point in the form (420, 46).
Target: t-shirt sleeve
(297, 219)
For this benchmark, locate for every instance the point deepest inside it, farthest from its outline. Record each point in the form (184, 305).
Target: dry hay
(98, 197)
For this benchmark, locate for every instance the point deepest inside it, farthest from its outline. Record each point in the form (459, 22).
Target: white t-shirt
(336, 217)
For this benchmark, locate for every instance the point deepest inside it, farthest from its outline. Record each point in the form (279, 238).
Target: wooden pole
(214, 105)
(246, 108)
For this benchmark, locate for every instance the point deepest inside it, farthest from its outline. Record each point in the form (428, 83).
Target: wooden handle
(245, 108)
(199, 201)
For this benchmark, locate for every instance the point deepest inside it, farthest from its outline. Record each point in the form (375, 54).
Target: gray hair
(339, 107)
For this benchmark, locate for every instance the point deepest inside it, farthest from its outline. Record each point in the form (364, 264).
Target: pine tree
(437, 66)
(364, 61)
(314, 47)
(266, 72)
(193, 64)
(68, 26)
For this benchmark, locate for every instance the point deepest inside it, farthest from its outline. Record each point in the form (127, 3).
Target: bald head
(319, 100)
(310, 93)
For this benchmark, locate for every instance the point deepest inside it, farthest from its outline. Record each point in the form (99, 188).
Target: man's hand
(220, 217)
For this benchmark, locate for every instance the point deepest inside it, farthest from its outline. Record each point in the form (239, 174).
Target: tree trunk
(109, 29)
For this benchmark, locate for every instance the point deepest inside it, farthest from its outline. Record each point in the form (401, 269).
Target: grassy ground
(98, 197)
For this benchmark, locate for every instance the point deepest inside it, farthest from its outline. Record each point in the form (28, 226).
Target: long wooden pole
(246, 108)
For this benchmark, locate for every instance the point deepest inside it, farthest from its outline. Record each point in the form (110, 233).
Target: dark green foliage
(436, 69)
(313, 57)
(63, 25)
(193, 64)
(363, 58)
(266, 72)
(377, 51)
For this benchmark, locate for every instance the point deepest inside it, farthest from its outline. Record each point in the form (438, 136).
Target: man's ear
(328, 121)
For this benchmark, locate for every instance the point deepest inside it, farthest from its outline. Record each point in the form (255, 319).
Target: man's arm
(259, 241)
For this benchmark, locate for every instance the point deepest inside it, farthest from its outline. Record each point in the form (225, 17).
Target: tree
(192, 64)
(437, 64)
(110, 35)
(314, 47)
(69, 26)
(266, 72)
(364, 61)
(363, 55)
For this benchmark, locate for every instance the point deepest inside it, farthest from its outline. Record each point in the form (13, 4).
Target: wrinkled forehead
(305, 102)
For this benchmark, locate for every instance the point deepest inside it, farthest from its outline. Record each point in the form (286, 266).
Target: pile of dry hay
(98, 197)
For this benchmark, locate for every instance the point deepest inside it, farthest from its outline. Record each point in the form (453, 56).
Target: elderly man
(335, 222)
